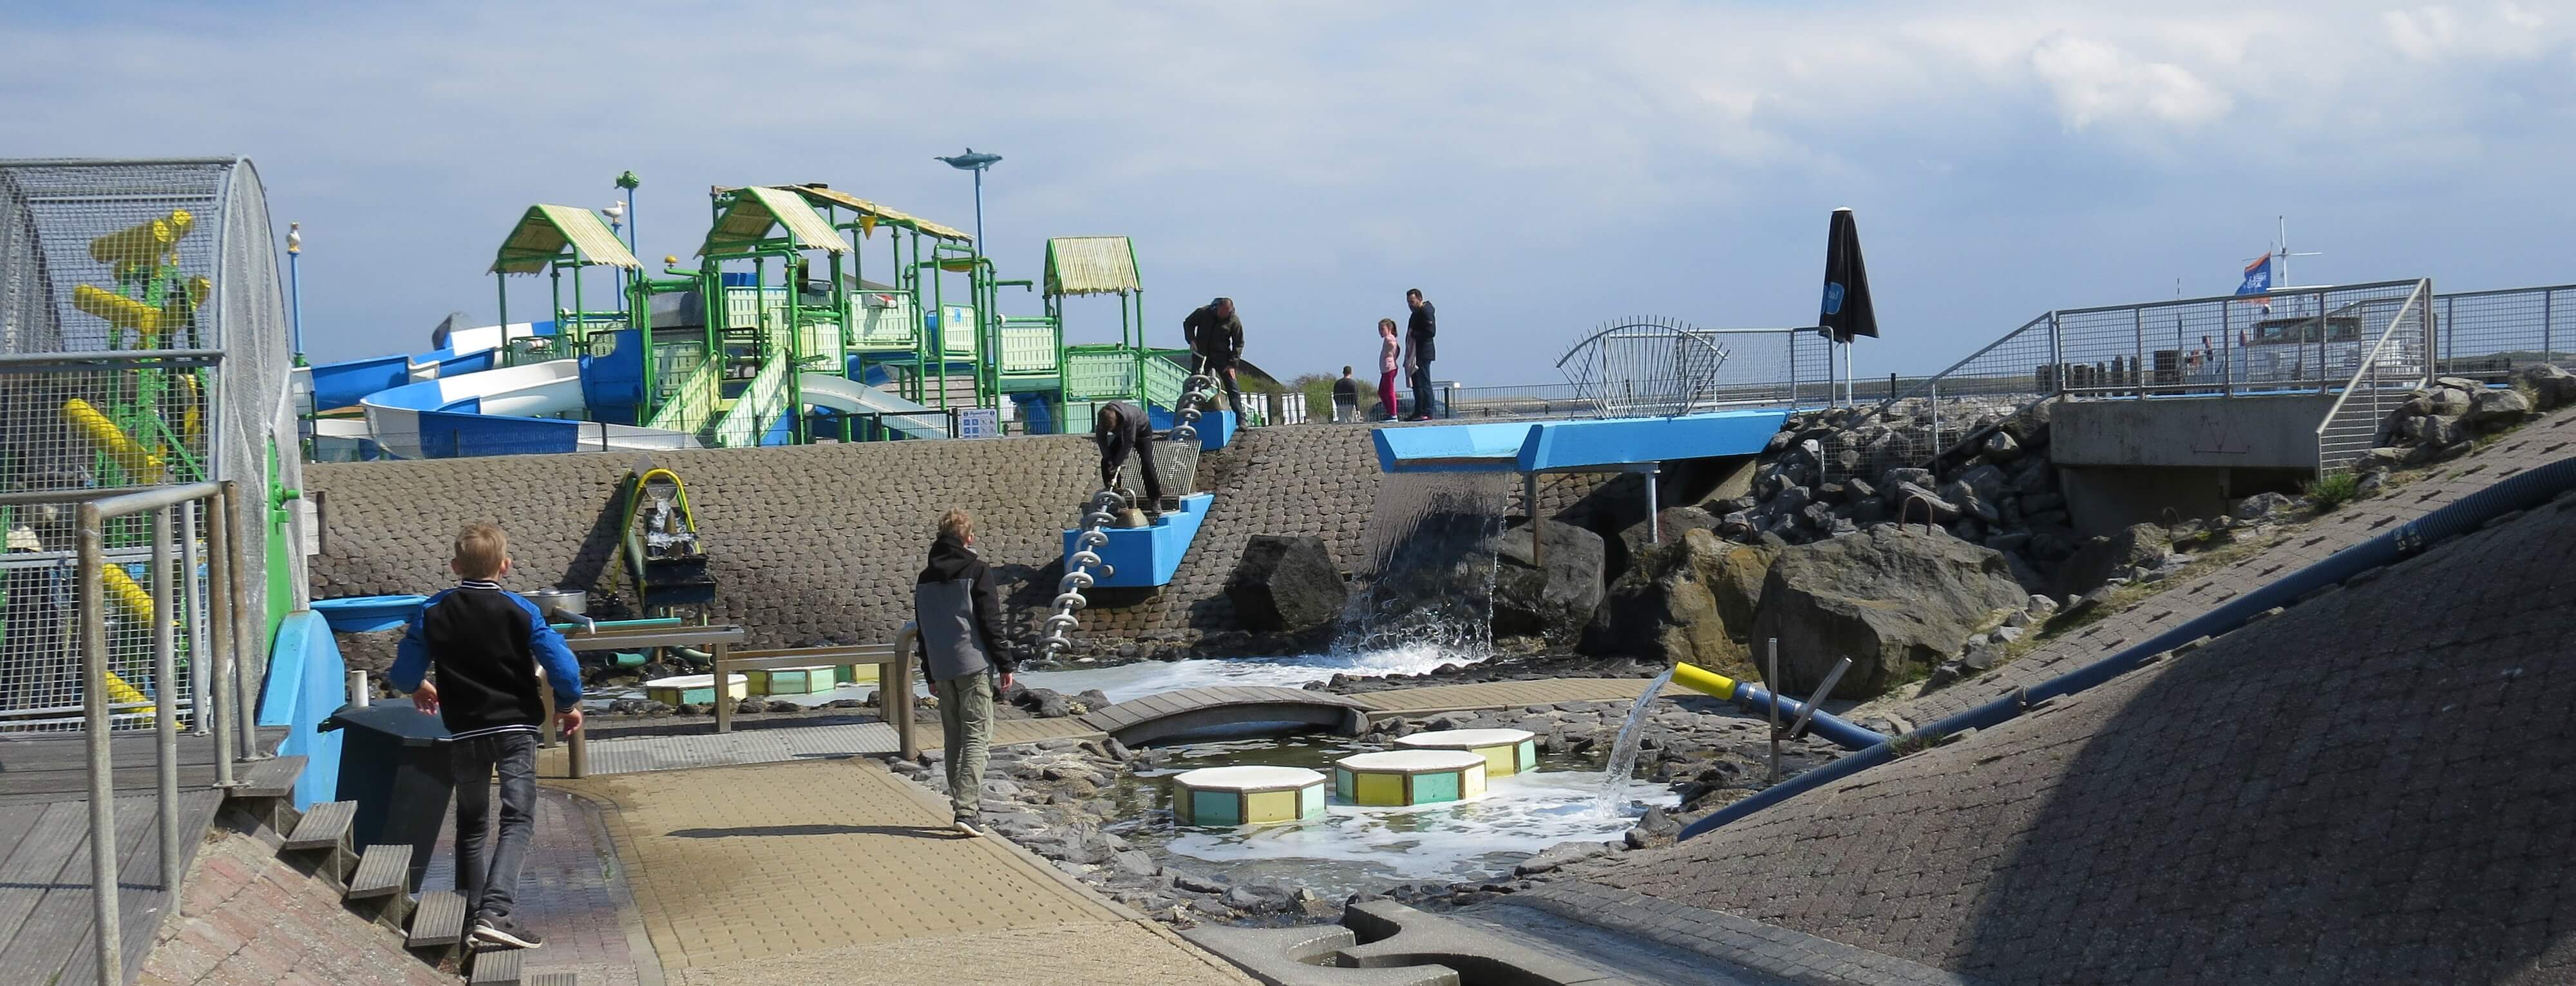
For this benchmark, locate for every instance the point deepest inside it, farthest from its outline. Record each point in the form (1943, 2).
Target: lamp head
(972, 160)
(295, 237)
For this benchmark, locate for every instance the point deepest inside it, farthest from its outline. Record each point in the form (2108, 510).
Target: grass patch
(2334, 491)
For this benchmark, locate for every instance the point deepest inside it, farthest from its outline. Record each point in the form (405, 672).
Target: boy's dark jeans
(489, 883)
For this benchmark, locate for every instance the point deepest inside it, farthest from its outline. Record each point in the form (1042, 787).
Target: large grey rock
(2261, 505)
(1734, 574)
(1553, 599)
(2492, 409)
(1888, 599)
(2139, 546)
(1661, 609)
(2551, 387)
(1286, 582)
(2451, 401)
(1988, 482)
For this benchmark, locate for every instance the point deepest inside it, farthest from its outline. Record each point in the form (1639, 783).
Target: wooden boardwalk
(1432, 699)
(1154, 717)
(45, 902)
(37, 768)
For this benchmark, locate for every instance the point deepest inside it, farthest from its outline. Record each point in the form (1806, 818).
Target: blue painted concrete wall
(306, 683)
(1148, 556)
(1522, 446)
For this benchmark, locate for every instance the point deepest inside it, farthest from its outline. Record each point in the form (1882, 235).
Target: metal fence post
(219, 622)
(246, 641)
(2138, 355)
(195, 615)
(2450, 334)
(2057, 352)
(2548, 345)
(165, 699)
(2325, 380)
(102, 777)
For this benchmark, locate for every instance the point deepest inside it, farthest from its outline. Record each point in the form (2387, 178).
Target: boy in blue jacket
(487, 644)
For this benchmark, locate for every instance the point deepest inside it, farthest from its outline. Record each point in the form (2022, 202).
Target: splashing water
(1613, 799)
(1433, 540)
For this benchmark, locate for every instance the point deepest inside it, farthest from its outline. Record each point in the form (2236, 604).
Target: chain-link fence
(2386, 377)
(142, 344)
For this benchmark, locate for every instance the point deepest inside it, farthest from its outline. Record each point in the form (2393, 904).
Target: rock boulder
(2140, 545)
(1552, 599)
(1286, 583)
(1661, 610)
(1890, 600)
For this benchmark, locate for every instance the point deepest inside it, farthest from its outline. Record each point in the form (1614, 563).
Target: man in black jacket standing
(1217, 337)
(1419, 332)
(959, 612)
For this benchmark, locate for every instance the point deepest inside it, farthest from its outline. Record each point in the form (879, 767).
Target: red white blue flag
(2257, 286)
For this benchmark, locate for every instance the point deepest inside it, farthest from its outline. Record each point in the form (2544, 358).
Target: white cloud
(2094, 82)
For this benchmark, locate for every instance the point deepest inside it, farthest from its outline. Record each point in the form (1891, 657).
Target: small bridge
(1189, 710)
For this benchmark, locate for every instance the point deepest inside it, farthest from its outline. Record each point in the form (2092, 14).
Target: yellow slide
(139, 462)
(137, 604)
(117, 309)
(142, 244)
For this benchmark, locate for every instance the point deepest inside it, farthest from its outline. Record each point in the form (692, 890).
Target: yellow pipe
(137, 460)
(138, 605)
(1704, 681)
(191, 420)
(144, 243)
(119, 310)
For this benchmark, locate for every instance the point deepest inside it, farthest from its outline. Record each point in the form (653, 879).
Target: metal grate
(1645, 367)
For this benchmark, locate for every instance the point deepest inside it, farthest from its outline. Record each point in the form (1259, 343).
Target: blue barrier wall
(306, 683)
(1148, 556)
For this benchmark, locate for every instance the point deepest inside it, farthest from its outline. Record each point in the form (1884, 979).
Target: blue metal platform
(1573, 446)
(1142, 557)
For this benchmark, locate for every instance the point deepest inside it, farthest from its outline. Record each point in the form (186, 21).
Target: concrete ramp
(1159, 717)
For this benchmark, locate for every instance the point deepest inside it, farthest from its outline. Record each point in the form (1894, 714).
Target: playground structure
(783, 333)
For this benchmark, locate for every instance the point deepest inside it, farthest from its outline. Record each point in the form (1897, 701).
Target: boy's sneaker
(970, 827)
(505, 930)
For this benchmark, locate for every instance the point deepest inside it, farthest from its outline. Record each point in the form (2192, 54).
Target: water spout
(1613, 799)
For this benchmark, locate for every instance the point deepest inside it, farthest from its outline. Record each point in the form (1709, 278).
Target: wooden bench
(894, 677)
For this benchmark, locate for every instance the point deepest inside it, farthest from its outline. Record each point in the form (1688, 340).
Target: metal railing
(2393, 368)
(1772, 367)
(181, 597)
(2486, 335)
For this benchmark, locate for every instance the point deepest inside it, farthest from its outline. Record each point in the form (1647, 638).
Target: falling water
(1433, 539)
(1613, 798)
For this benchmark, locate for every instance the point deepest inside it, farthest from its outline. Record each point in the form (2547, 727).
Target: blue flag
(2258, 279)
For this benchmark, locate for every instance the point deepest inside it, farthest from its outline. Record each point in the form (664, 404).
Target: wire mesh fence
(2486, 335)
(142, 344)
(1644, 367)
(2386, 377)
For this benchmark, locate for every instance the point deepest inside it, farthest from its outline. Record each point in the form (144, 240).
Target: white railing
(2395, 366)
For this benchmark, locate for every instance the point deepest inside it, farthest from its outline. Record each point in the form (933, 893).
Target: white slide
(533, 391)
(839, 393)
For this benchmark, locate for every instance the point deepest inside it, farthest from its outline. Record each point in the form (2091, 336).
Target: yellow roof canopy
(758, 209)
(550, 233)
(821, 194)
(1091, 265)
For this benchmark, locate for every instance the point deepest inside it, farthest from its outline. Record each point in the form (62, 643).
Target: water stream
(1431, 541)
(1612, 800)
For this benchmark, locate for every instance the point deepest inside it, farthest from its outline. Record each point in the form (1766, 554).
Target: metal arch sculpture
(1644, 367)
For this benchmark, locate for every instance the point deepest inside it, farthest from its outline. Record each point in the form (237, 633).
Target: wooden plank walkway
(1480, 696)
(45, 919)
(36, 768)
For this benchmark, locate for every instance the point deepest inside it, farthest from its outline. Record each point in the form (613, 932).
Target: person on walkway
(1390, 357)
(1346, 397)
(487, 645)
(1419, 332)
(1217, 337)
(1119, 428)
(967, 657)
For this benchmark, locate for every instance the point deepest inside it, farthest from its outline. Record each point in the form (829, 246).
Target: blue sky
(1536, 168)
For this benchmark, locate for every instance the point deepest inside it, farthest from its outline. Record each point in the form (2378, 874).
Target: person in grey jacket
(964, 650)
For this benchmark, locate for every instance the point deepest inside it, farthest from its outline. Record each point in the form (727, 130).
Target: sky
(1536, 169)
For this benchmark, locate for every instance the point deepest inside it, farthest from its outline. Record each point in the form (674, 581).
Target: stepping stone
(382, 871)
(494, 967)
(1409, 777)
(439, 920)
(1247, 795)
(322, 828)
(1506, 751)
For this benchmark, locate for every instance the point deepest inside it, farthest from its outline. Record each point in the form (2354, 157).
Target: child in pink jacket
(1388, 363)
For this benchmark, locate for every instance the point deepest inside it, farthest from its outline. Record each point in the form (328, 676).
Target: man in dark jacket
(487, 645)
(1419, 331)
(959, 613)
(1120, 428)
(1217, 337)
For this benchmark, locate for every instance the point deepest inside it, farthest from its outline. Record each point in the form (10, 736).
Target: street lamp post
(295, 288)
(616, 213)
(977, 163)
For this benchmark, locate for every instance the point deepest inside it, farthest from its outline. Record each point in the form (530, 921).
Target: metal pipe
(165, 699)
(102, 778)
(2522, 491)
(195, 614)
(219, 622)
(1752, 697)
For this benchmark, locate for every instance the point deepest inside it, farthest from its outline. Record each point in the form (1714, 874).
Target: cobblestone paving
(1062, 955)
(247, 919)
(2370, 787)
(570, 890)
(2544, 441)
(746, 868)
